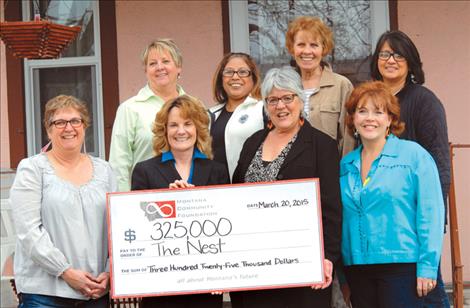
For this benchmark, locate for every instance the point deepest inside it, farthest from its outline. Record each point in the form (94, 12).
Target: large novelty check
(215, 238)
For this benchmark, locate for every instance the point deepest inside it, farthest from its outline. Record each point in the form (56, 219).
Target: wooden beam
(109, 67)
(15, 96)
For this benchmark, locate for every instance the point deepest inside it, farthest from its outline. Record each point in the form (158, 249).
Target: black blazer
(153, 173)
(313, 155)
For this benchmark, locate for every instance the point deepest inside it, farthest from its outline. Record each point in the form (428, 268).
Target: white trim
(98, 120)
(25, 9)
(29, 110)
(239, 32)
(379, 20)
(238, 18)
(32, 116)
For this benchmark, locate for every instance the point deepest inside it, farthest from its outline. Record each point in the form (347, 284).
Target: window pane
(78, 81)
(70, 13)
(349, 19)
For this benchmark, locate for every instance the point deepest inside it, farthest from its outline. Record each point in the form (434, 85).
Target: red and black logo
(158, 209)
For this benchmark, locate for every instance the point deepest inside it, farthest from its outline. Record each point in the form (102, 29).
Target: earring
(46, 147)
(356, 134)
(179, 76)
(388, 131)
(269, 125)
(413, 78)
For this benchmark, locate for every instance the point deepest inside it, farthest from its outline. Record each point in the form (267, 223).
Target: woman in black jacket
(183, 159)
(290, 148)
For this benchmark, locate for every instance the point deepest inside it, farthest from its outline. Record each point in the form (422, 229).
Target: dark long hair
(218, 91)
(402, 44)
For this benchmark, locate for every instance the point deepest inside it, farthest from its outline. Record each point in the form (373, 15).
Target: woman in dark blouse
(290, 148)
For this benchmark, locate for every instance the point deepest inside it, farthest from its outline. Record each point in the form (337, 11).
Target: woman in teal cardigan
(393, 214)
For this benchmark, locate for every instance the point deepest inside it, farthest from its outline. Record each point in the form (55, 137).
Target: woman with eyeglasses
(309, 40)
(290, 148)
(239, 113)
(393, 213)
(396, 62)
(59, 213)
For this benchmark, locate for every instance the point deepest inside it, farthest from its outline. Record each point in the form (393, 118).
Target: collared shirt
(168, 156)
(131, 140)
(398, 216)
(326, 109)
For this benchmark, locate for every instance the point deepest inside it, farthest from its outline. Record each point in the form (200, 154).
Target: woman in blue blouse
(393, 214)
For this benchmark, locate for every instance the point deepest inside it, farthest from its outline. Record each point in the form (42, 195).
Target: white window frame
(239, 33)
(32, 114)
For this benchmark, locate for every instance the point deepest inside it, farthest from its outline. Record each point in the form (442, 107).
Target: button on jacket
(398, 215)
(246, 119)
(327, 109)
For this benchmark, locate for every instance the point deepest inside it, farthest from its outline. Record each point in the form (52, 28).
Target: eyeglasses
(385, 55)
(285, 99)
(243, 72)
(75, 122)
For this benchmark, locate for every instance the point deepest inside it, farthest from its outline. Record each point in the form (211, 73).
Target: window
(77, 72)
(258, 27)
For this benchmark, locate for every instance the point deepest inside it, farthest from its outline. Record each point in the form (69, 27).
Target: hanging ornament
(38, 39)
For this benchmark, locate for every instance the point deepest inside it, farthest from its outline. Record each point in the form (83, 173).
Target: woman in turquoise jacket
(392, 207)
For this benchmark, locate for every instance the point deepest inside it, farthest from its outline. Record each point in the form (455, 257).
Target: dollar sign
(129, 235)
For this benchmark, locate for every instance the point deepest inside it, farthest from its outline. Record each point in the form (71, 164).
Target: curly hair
(382, 97)
(218, 91)
(316, 27)
(65, 101)
(190, 108)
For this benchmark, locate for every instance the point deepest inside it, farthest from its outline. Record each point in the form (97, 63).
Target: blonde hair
(313, 25)
(190, 108)
(161, 45)
(65, 101)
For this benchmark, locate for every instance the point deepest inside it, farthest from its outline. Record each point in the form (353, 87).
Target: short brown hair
(164, 44)
(65, 101)
(316, 27)
(382, 97)
(190, 108)
(218, 90)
